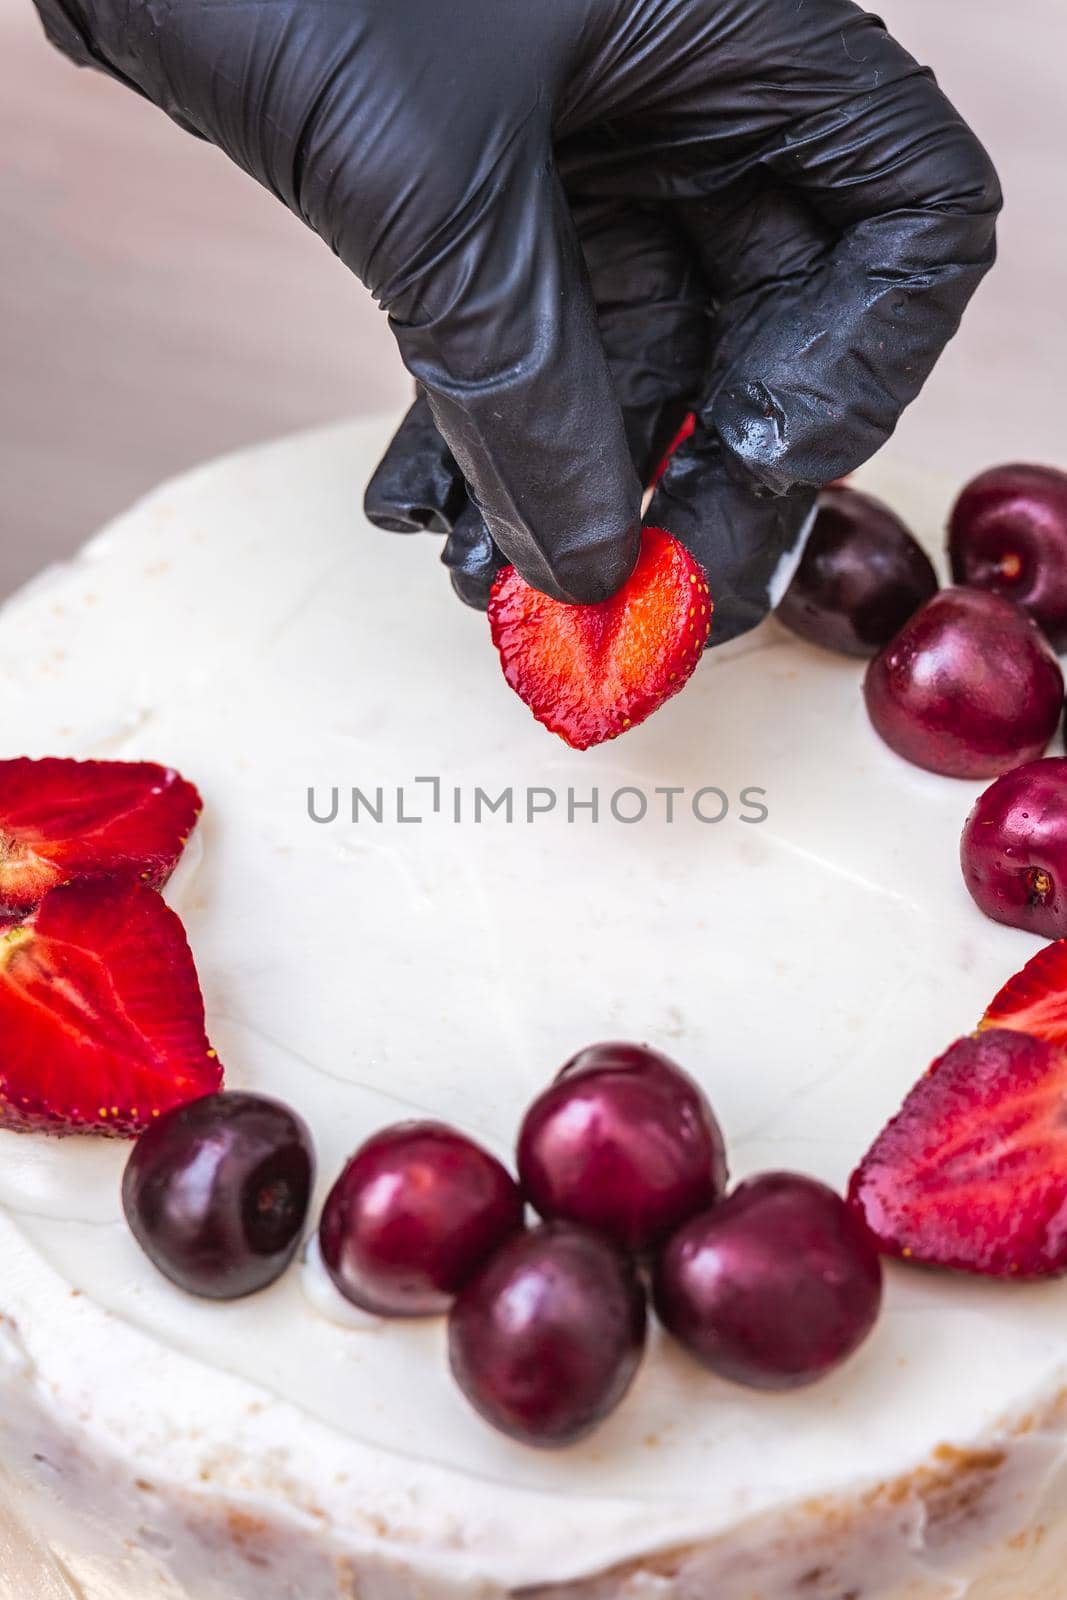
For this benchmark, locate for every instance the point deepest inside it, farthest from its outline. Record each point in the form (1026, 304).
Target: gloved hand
(584, 217)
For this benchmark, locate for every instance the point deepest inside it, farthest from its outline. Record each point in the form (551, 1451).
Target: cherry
(623, 1142)
(545, 1341)
(775, 1286)
(862, 575)
(969, 687)
(412, 1217)
(1008, 533)
(216, 1192)
(1014, 849)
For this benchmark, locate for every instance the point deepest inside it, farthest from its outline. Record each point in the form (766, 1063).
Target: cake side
(981, 1524)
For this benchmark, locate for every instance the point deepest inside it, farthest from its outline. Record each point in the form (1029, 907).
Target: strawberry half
(972, 1172)
(101, 1017)
(591, 672)
(61, 820)
(1035, 1000)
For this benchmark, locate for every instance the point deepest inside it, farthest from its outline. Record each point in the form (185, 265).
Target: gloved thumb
(500, 329)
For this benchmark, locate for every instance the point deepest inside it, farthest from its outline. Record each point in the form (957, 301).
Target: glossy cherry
(414, 1214)
(775, 1286)
(623, 1142)
(862, 575)
(216, 1192)
(1008, 533)
(546, 1340)
(1014, 849)
(969, 687)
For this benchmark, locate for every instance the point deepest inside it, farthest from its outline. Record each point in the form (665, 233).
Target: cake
(798, 936)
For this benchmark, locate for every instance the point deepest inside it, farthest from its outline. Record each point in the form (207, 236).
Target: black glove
(584, 216)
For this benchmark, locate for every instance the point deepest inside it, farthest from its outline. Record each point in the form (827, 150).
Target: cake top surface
(247, 626)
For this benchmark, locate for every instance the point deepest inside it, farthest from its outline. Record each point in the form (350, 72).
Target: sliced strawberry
(1035, 1000)
(972, 1171)
(591, 672)
(101, 1017)
(687, 429)
(61, 820)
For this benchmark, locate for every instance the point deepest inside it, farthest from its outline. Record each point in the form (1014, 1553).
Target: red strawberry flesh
(101, 1016)
(1035, 1000)
(589, 673)
(64, 820)
(971, 1174)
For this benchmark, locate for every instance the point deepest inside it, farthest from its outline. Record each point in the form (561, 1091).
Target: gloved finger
(758, 246)
(652, 307)
(755, 245)
(652, 311)
(823, 379)
(749, 542)
(472, 558)
(417, 486)
(499, 326)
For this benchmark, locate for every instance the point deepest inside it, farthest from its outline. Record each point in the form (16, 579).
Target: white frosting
(247, 626)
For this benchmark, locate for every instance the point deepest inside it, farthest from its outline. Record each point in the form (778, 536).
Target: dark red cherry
(862, 575)
(969, 687)
(623, 1142)
(545, 1341)
(412, 1217)
(1014, 849)
(775, 1286)
(216, 1192)
(1008, 533)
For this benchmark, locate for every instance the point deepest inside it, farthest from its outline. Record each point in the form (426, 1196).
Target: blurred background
(157, 308)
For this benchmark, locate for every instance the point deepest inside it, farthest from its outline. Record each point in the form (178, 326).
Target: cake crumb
(244, 1527)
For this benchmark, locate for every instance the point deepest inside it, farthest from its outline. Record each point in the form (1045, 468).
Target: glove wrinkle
(417, 486)
(472, 558)
(741, 539)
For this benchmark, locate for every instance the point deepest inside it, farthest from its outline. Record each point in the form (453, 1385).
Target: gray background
(157, 308)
